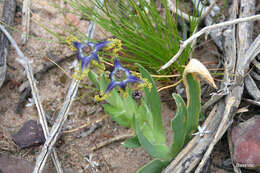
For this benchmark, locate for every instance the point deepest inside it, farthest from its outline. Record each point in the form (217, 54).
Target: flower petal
(78, 45)
(117, 65)
(131, 79)
(123, 84)
(84, 62)
(111, 86)
(91, 44)
(94, 56)
(99, 46)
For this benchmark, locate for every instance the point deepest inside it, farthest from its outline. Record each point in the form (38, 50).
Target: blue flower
(106, 45)
(120, 77)
(81, 57)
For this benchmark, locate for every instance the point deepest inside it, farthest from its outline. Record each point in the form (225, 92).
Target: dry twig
(213, 10)
(25, 86)
(207, 30)
(109, 141)
(86, 125)
(25, 21)
(257, 103)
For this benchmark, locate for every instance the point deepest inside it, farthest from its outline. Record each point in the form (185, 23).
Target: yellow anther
(124, 93)
(137, 74)
(145, 84)
(80, 75)
(114, 44)
(99, 66)
(69, 40)
(102, 96)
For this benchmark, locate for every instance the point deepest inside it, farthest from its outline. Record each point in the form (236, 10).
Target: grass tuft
(151, 35)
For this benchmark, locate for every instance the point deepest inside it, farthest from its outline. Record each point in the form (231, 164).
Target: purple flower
(93, 55)
(120, 77)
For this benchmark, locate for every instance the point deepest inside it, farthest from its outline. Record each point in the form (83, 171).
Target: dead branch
(25, 21)
(207, 30)
(257, 103)
(7, 19)
(216, 34)
(252, 88)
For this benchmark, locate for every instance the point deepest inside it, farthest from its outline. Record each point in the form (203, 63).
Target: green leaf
(178, 125)
(118, 114)
(132, 142)
(93, 78)
(193, 106)
(155, 166)
(152, 98)
(155, 150)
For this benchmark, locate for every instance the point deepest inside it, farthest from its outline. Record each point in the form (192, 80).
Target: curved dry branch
(206, 30)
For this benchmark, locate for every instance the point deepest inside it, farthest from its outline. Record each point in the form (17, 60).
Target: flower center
(86, 50)
(120, 75)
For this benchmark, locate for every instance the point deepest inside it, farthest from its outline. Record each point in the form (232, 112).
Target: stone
(246, 143)
(10, 164)
(30, 134)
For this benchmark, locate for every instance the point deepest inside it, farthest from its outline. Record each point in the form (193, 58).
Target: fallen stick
(25, 21)
(252, 88)
(257, 103)
(86, 124)
(7, 19)
(109, 141)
